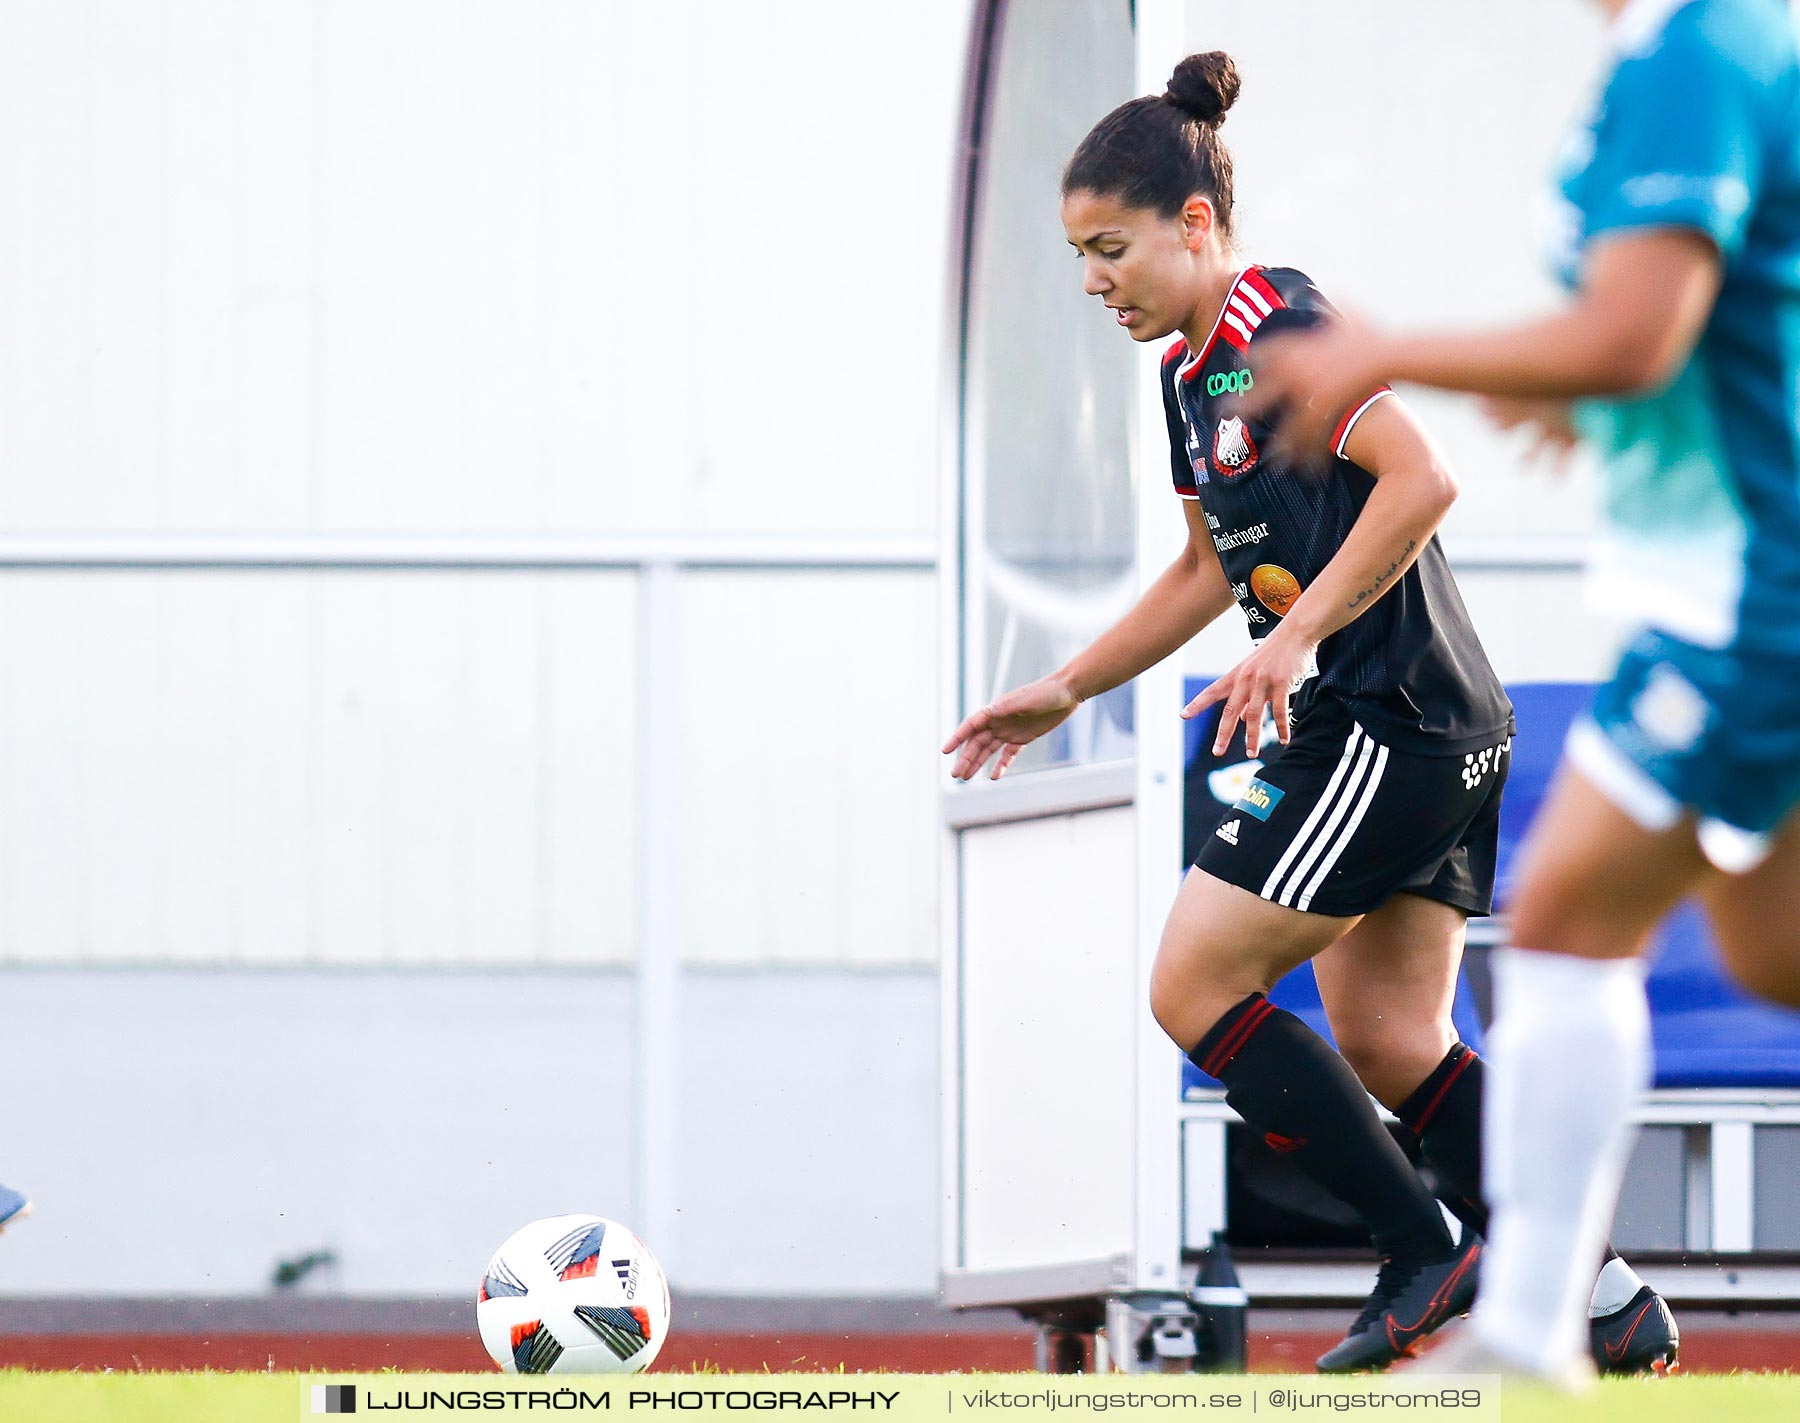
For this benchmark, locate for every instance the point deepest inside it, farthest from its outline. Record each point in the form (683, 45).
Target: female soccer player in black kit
(1369, 836)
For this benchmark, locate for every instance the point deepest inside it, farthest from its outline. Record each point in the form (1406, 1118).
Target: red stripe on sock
(1236, 1038)
(1437, 1099)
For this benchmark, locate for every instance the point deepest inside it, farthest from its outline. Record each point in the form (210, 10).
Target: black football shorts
(1337, 823)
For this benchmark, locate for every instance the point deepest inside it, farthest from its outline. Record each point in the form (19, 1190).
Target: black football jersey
(1410, 668)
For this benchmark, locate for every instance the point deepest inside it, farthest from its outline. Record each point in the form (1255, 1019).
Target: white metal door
(1059, 1092)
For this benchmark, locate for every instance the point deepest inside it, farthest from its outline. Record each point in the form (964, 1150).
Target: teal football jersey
(1698, 126)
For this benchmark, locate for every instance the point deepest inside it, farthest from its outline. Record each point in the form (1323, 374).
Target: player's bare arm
(1643, 301)
(1414, 490)
(1191, 592)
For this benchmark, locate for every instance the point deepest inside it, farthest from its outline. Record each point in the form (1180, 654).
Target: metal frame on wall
(660, 563)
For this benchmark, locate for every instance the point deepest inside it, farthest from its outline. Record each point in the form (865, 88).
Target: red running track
(1704, 1350)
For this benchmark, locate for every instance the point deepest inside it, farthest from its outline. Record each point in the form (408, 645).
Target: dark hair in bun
(1204, 85)
(1157, 151)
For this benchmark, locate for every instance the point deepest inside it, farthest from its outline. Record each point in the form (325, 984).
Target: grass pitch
(1694, 1398)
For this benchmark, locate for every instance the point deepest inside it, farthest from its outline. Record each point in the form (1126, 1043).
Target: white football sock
(1568, 1058)
(1618, 1282)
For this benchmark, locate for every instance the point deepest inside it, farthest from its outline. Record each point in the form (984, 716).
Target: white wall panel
(804, 1153)
(1048, 1162)
(184, 744)
(398, 1120)
(271, 872)
(584, 897)
(809, 768)
(279, 303)
(324, 768)
(463, 264)
(402, 1121)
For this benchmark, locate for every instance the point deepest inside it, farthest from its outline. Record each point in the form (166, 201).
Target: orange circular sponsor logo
(1275, 586)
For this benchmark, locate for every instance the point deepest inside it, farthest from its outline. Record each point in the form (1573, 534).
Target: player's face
(1144, 266)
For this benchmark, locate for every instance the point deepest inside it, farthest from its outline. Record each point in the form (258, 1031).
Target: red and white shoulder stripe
(1251, 302)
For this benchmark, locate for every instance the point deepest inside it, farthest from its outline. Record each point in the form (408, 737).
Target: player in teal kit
(1702, 500)
(1678, 361)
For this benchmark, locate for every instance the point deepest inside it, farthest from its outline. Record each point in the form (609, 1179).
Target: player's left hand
(1266, 678)
(1313, 377)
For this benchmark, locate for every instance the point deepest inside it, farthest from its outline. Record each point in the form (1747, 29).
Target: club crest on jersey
(1234, 452)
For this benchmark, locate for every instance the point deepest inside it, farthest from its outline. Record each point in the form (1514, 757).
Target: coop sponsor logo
(1229, 382)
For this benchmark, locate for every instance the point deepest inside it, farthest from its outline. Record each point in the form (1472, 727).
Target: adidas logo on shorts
(1228, 832)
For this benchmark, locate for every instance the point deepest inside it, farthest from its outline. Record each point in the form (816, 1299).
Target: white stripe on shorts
(1329, 832)
(1298, 843)
(1362, 807)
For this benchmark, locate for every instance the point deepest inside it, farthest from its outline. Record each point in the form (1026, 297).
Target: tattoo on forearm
(1392, 568)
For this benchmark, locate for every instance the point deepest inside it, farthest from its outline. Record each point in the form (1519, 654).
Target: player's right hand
(1549, 425)
(1313, 377)
(1009, 725)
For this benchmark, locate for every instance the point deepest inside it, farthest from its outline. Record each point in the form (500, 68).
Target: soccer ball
(573, 1294)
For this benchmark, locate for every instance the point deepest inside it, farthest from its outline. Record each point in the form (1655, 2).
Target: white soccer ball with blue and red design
(573, 1294)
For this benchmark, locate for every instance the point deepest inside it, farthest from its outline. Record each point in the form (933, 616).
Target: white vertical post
(1203, 1144)
(1696, 1157)
(1156, 1233)
(657, 1015)
(951, 618)
(1733, 1185)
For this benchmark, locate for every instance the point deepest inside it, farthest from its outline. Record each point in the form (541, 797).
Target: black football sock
(1282, 1079)
(1444, 1112)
